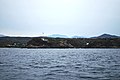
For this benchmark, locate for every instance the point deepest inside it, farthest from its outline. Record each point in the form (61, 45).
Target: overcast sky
(69, 17)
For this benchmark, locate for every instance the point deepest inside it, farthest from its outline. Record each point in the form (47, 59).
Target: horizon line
(55, 34)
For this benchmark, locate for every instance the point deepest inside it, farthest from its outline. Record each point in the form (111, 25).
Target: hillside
(74, 43)
(48, 42)
(14, 41)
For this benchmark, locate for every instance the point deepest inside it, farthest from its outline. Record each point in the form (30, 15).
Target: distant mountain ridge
(107, 36)
(1, 35)
(76, 36)
(57, 36)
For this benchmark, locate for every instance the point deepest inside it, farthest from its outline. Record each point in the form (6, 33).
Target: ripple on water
(59, 71)
(22, 68)
(37, 66)
(6, 65)
(60, 64)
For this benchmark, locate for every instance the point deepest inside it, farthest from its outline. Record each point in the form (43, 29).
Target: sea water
(59, 64)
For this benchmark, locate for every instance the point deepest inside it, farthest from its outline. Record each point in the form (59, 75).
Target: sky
(68, 17)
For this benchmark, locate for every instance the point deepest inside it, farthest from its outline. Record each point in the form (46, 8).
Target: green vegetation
(14, 41)
(46, 42)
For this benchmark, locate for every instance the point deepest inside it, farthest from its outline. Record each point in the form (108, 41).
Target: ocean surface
(59, 64)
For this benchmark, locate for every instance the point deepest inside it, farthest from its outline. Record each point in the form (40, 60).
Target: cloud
(80, 17)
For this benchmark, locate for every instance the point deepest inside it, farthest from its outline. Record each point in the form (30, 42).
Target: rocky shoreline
(47, 42)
